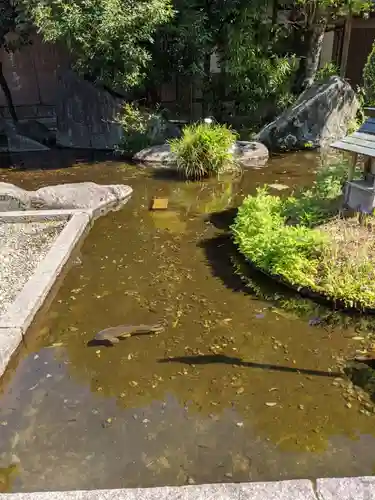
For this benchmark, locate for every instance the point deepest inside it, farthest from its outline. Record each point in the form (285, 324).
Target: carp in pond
(113, 334)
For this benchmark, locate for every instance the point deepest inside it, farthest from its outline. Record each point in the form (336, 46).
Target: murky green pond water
(235, 389)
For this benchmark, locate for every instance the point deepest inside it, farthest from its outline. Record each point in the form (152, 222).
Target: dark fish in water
(113, 334)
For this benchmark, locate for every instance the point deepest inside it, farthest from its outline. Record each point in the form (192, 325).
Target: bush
(203, 150)
(329, 69)
(263, 237)
(369, 78)
(281, 238)
(142, 128)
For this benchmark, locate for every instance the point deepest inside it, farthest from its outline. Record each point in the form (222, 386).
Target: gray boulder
(86, 116)
(80, 195)
(248, 154)
(158, 155)
(12, 140)
(320, 116)
(37, 131)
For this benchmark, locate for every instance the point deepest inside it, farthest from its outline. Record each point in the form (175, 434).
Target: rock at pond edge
(320, 115)
(80, 195)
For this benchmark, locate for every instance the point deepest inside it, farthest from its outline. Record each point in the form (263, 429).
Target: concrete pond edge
(357, 488)
(19, 315)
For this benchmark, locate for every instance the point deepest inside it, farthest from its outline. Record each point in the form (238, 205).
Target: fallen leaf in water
(357, 338)
(241, 390)
(271, 404)
(55, 344)
(273, 389)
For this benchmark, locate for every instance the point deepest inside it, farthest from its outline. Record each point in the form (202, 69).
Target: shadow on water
(55, 159)
(220, 358)
(227, 264)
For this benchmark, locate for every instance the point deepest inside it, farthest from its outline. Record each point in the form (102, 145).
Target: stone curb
(20, 314)
(356, 488)
(10, 338)
(22, 311)
(40, 215)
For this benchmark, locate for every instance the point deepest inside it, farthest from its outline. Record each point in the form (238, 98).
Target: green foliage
(329, 69)
(283, 250)
(309, 207)
(141, 128)
(203, 150)
(14, 25)
(108, 39)
(301, 254)
(369, 78)
(259, 70)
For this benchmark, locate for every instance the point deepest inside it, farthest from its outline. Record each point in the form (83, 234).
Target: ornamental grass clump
(204, 150)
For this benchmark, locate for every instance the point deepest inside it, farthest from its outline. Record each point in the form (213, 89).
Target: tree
(369, 78)
(14, 32)
(108, 39)
(309, 20)
(186, 44)
(259, 65)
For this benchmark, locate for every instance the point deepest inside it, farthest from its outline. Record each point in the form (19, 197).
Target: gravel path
(22, 247)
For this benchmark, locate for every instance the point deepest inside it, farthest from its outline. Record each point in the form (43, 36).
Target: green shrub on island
(204, 150)
(302, 241)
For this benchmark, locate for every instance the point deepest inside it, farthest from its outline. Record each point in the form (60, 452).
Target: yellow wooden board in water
(159, 204)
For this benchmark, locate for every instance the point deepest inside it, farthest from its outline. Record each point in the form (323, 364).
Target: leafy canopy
(14, 25)
(108, 39)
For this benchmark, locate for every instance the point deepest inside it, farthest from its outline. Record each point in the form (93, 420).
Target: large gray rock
(86, 114)
(319, 116)
(80, 195)
(158, 155)
(248, 154)
(33, 129)
(13, 140)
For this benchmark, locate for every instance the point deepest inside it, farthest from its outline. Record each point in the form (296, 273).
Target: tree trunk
(310, 48)
(313, 52)
(206, 85)
(8, 96)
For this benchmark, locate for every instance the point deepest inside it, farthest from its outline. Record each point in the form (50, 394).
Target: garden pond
(237, 387)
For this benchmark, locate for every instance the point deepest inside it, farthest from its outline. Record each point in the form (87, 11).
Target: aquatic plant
(301, 241)
(204, 150)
